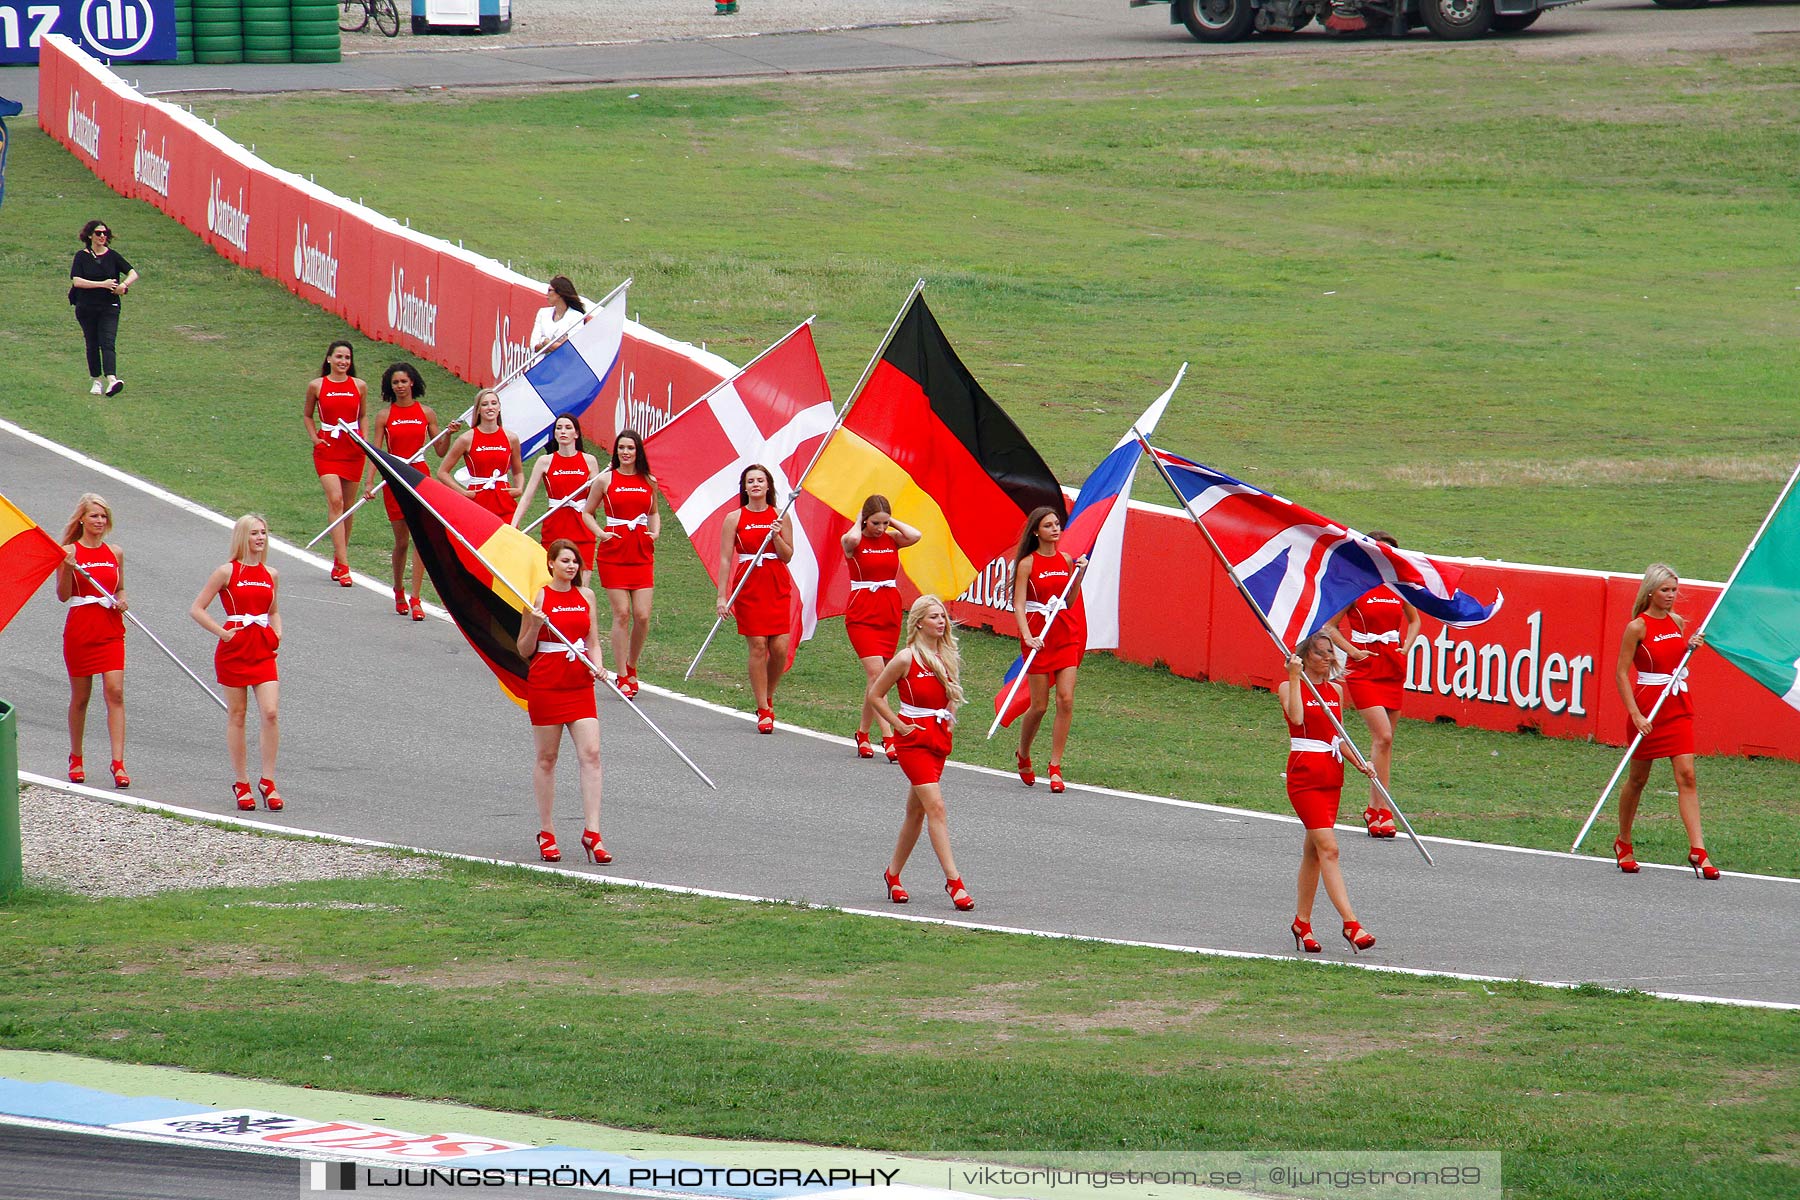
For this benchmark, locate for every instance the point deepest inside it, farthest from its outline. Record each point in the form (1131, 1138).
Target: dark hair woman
(627, 550)
(764, 604)
(98, 280)
(332, 410)
(565, 312)
(1041, 573)
(407, 429)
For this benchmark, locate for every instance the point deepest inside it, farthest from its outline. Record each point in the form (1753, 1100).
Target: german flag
(923, 433)
(28, 555)
(484, 608)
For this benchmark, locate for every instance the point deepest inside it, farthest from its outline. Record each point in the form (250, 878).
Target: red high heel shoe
(1303, 938)
(765, 720)
(891, 748)
(1372, 820)
(241, 793)
(1359, 938)
(547, 846)
(271, 798)
(1622, 854)
(415, 609)
(959, 895)
(1384, 823)
(590, 842)
(120, 779)
(1703, 868)
(863, 749)
(1026, 774)
(631, 674)
(1056, 779)
(896, 893)
(400, 601)
(340, 574)
(77, 772)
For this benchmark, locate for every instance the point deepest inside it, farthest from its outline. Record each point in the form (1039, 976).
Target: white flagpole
(762, 550)
(1062, 603)
(132, 617)
(1680, 667)
(416, 457)
(1269, 628)
(456, 533)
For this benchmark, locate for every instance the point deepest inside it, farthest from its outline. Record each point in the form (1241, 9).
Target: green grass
(705, 1017)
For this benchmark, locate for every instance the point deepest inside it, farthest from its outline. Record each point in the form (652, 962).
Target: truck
(1453, 20)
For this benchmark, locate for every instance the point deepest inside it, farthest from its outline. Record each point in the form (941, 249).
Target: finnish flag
(567, 379)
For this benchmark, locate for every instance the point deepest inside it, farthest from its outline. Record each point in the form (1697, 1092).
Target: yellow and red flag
(27, 557)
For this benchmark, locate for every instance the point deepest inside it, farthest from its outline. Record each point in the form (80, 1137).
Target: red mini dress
(565, 482)
(925, 705)
(1067, 640)
(339, 414)
(560, 689)
(1376, 623)
(764, 607)
(873, 620)
(627, 563)
(1658, 654)
(489, 459)
(94, 631)
(248, 658)
(1315, 763)
(406, 430)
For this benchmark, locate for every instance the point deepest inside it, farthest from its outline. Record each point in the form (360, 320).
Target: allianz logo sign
(230, 221)
(117, 28)
(315, 266)
(151, 167)
(507, 356)
(410, 312)
(84, 129)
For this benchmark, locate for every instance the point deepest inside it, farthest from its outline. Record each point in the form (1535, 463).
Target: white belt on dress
(764, 557)
(641, 521)
(872, 585)
(102, 601)
(486, 483)
(913, 712)
(1390, 638)
(243, 619)
(1045, 608)
(569, 501)
(336, 429)
(572, 653)
(1676, 682)
(1314, 746)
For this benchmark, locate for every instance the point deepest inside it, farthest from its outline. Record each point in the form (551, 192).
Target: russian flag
(567, 379)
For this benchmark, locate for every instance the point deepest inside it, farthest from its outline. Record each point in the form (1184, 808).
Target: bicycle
(353, 16)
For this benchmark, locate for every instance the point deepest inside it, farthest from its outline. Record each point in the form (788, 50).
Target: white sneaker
(96, 389)
(115, 387)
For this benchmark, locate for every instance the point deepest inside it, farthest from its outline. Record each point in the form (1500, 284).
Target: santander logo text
(84, 127)
(315, 266)
(646, 414)
(230, 221)
(151, 167)
(508, 356)
(1525, 678)
(411, 313)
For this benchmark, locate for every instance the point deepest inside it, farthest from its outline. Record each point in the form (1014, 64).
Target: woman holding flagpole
(873, 621)
(566, 311)
(561, 694)
(492, 453)
(1376, 634)
(406, 428)
(244, 660)
(763, 607)
(94, 631)
(928, 673)
(332, 410)
(565, 474)
(1041, 574)
(1650, 656)
(1315, 784)
(627, 551)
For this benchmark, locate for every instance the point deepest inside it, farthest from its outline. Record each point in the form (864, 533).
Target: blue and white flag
(567, 379)
(8, 108)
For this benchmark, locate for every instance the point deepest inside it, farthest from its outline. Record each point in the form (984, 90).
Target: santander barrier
(1545, 663)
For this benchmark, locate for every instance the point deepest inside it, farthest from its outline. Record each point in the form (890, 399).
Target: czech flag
(28, 555)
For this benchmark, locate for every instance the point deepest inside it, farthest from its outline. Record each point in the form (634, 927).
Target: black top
(108, 265)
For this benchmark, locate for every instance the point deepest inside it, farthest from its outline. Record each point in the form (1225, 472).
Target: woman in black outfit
(98, 279)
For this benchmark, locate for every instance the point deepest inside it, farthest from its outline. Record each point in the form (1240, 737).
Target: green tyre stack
(315, 25)
(268, 35)
(218, 31)
(184, 31)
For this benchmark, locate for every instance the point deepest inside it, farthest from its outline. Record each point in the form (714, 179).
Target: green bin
(12, 868)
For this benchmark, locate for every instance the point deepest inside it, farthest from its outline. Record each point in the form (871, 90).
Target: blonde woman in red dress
(928, 673)
(333, 410)
(1376, 634)
(763, 606)
(873, 621)
(561, 695)
(492, 454)
(244, 660)
(1040, 574)
(407, 426)
(627, 552)
(94, 631)
(1315, 785)
(1650, 652)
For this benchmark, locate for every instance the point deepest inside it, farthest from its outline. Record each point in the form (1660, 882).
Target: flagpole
(1699, 633)
(1269, 628)
(130, 616)
(531, 360)
(456, 533)
(1062, 604)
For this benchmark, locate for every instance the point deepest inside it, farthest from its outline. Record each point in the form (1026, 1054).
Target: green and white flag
(1756, 624)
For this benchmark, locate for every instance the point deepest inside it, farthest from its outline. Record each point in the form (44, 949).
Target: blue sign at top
(116, 30)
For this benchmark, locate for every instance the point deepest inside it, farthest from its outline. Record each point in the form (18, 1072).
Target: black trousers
(100, 329)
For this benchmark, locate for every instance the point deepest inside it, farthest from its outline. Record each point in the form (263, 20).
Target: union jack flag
(1302, 569)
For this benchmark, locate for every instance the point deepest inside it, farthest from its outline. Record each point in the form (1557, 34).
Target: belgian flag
(486, 610)
(28, 556)
(923, 433)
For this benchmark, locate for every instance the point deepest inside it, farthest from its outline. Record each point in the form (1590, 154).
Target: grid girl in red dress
(1041, 573)
(763, 607)
(873, 621)
(94, 631)
(244, 660)
(332, 411)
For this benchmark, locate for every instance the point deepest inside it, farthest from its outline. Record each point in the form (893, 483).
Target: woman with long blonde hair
(244, 661)
(94, 632)
(928, 671)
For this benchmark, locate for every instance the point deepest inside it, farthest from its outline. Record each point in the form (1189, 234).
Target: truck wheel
(1217, 20)
(1513, 22)
(1457, 20)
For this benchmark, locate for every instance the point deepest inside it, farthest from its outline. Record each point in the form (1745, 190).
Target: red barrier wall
(1545, 662)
